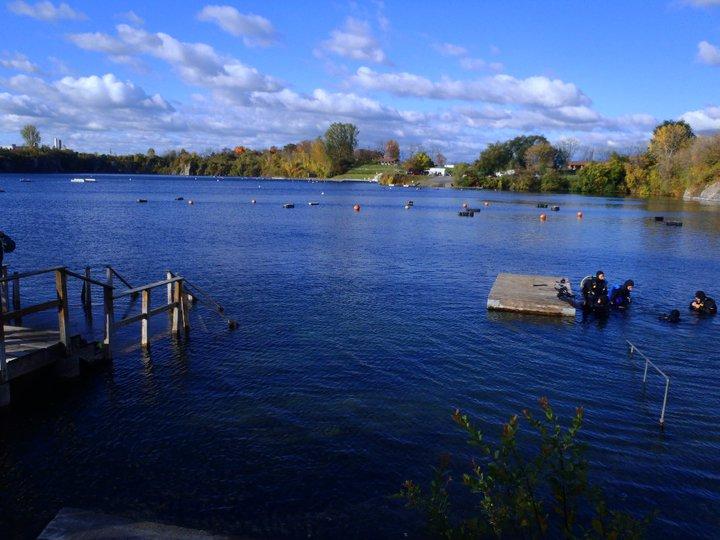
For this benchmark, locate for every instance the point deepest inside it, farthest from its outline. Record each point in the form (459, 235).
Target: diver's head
(600, 275)
(700, 296)
(629, 284)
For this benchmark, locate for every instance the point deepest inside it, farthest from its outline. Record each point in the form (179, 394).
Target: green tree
(495, 158)
(540, 157)
(520, 145)
(31, 135)
(340, 143)
(420, 161)
(603, 178)
(546, 494)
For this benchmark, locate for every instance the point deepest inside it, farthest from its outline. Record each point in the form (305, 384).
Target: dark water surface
(359, 334)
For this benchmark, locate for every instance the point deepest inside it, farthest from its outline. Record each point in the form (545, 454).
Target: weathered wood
(109, 307)
(528, 294)
(176, 310)
(23, 275)
(154, 285)
(4, 300)
(145, 339)
(16, 297)
(3, 358)
(139, 317)
(87, 279)
(169, 275)
(29, 310)
(184, 307)
(63, 313)
(28, 350)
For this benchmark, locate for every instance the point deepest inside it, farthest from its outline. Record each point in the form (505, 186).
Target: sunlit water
(359, 334)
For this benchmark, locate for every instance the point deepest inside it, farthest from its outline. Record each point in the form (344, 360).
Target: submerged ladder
(631, 351)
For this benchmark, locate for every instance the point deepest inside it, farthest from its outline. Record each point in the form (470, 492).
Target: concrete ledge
(528, 294)
(74, 524)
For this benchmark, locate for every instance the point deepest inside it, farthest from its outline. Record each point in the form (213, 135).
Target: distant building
(388, 161)
(438, 171)
(576, 165)
(57, 144)
(9, 147)
(509, 172)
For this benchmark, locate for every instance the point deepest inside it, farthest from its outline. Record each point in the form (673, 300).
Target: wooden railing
(177, 304)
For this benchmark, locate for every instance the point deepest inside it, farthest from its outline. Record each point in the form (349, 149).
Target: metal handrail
(634, 349)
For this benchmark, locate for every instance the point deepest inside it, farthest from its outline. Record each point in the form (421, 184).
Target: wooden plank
(176, 310)
(109, 308)
(136, 290)
(140, 316)
(184, 308)
(63, 314)
(144, 338)
(31, 273)
(86, 278)
(528, 294)
(4, 299)
(29, 310)
(3, 358)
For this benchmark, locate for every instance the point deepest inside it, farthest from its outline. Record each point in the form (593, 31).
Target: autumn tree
(340, 143)
(540, 157)
(392, 150)
(420, 161)
(31, 135)
(440, 159)
(668, 139)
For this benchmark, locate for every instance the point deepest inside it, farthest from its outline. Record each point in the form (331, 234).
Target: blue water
(359, 334)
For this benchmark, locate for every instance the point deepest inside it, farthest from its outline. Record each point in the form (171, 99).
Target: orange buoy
(543, 217)
(191, 201)
(486, 203)
(579, 215)
(356, 207)
(253, 201)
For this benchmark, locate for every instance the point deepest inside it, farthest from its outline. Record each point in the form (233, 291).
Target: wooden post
(87, 292)
(177, 291)
(169, 275)
(4, 384)
(63, 315)
(16, 297)
(109, 319)
(184, 306)
(4, 288)
(145, 340)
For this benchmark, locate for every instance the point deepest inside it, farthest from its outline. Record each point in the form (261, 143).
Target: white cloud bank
(355, 41)
(253, 29)
(46, 11)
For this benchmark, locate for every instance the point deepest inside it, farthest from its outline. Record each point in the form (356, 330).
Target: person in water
(703, 304)
(620, 297)
(595, 292)
(672, 317)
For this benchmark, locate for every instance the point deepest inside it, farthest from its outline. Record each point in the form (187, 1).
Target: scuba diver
(620, 296)
(672, 317)
(703, 304)
(595, 293)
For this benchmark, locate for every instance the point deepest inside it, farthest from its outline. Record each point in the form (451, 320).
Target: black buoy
(142, 200)
(179, 198)
(673, 223)
(232, 325)
(659, 218)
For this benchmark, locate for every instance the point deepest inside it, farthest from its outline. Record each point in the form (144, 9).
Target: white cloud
(197, 63)
(701, 3)
(707, 119)
(355, 41)
(131, 17)
(708, 54)
(450, 49)
(538, 90)
(108, 92)
(253, 29)
(46, 11)
(17, 62)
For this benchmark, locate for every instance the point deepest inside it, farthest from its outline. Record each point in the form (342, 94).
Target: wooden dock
(530, 294)
(24, 350)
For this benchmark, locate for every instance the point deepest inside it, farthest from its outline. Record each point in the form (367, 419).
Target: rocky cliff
(711, 192)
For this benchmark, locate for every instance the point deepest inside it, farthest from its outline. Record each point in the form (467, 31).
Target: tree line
(674, 161)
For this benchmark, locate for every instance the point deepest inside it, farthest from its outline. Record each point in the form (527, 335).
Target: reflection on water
(359, 334)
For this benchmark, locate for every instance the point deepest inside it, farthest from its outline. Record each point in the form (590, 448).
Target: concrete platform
(528, 294)
(28, 350)
(71, 523)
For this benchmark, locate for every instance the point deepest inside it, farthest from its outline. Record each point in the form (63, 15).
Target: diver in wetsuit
(703, 304)
(595, 293)
(620, 297)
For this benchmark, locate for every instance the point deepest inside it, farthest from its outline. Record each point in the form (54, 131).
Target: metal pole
(645, 374)
(662, 413)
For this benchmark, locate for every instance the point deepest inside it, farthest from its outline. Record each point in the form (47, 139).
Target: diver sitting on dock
(620, 295)
(7, 245)
(595, 293)
(703, 304)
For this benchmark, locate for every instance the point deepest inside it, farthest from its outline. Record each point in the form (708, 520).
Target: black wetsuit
(707, 307)
(595, 294)
(620, 298)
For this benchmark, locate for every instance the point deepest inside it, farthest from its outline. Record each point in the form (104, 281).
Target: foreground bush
(518, 496)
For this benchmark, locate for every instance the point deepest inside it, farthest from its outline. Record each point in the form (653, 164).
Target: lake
(359, 334)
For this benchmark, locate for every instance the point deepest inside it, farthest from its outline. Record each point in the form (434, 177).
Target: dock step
(530, 294)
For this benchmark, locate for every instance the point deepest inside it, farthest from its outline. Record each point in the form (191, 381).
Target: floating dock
(82, 524)
(535, 295)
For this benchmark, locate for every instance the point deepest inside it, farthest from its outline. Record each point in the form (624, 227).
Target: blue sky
(449, 76)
